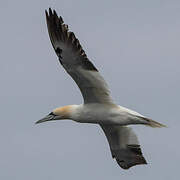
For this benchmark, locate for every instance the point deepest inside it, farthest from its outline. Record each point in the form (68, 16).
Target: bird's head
(58, 114)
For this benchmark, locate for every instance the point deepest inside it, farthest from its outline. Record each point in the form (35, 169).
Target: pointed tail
(152, 123)
(155, 124)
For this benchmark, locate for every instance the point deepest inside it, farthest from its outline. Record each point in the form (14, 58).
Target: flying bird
(98, 106)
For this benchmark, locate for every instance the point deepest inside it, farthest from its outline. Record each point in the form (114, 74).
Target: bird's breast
(94, 113)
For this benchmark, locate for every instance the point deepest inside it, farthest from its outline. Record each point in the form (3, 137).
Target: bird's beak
(47, 118)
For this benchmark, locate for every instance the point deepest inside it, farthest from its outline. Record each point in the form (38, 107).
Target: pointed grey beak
(47, 118)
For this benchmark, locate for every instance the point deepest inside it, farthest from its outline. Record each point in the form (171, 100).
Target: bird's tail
(152, 123)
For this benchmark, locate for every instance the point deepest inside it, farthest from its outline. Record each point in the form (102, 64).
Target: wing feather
(124, 145)
(73, 58)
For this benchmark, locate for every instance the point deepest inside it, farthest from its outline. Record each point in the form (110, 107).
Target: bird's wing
(124, 145)
(74, 60)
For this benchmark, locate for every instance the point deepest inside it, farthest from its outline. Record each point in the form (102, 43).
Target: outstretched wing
(74, 60)
(124, 145)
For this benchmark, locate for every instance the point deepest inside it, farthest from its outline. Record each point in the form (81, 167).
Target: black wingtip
(61, 19)
(126, 165)
(50, 12)
(129, 157)
(46, 12)
(54, 12)
(59, 33)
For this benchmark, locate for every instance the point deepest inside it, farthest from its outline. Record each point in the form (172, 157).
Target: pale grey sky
(134, 44)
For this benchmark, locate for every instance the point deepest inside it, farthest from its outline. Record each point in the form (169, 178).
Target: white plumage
(98, 107)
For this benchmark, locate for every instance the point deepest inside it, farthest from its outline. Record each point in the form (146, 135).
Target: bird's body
(96, 113)
(101, 113)
(98, 107)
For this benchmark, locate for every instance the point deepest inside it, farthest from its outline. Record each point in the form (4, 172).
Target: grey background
(134, 44)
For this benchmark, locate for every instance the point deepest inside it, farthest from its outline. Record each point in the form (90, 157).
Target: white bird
(98, 107)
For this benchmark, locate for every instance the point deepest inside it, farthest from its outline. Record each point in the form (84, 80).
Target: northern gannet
(98, 107)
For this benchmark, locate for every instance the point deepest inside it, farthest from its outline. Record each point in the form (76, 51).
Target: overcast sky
(134, 44)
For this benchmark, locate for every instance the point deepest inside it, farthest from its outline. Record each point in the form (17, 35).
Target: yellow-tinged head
(64, 112)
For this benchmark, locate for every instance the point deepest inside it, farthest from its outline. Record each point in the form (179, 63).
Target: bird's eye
(51, 113)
